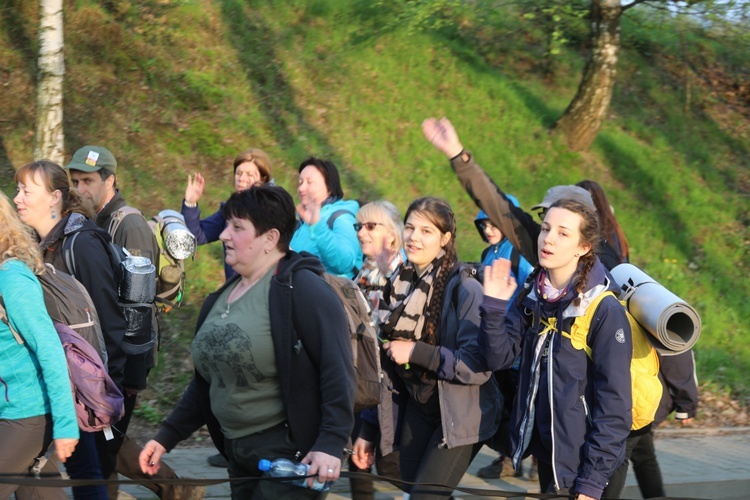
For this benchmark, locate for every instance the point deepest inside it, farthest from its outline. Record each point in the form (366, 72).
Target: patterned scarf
(372, 281)
(410, 294)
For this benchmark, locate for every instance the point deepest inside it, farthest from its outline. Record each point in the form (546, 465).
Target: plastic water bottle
(282, 467)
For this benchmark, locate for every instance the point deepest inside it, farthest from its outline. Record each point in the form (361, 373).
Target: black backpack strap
(69, 253)
(467, 271)
(335, 215)
(515, 260)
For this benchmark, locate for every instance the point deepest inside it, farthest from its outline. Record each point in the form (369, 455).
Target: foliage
(177, 87)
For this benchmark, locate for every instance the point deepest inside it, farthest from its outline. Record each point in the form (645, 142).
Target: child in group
(501, 247)
(572, 410)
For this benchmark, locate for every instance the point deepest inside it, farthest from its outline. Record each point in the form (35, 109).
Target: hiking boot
(190, 492)
(218, 460)
(496, 469)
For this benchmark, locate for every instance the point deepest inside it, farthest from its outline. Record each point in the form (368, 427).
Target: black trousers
(244, 454)
(423, 460)
(388, 466)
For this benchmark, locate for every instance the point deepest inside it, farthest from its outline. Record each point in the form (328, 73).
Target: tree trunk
(49, 141)
(582, 120)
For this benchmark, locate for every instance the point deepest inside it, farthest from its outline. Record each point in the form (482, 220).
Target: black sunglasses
(370, 226)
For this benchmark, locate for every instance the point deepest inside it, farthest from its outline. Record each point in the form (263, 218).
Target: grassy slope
(175, 89)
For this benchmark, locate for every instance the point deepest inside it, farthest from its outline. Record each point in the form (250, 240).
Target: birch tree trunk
(49, 142)
(582, 120)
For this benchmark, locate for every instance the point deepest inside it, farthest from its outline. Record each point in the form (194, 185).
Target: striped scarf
(410, 294)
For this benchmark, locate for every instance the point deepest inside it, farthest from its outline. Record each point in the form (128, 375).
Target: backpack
(364, 338)
(135, 283)
(68, 302)
(644, 365)
(99, 404)
(175, 242)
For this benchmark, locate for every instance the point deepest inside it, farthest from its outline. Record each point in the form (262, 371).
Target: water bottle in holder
(282, 467)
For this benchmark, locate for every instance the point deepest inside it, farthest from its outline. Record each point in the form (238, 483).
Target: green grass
(177, 87)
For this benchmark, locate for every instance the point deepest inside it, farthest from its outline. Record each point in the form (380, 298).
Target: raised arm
(518, 226)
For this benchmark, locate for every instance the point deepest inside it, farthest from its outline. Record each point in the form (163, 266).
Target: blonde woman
(37, 407)
(379, 229)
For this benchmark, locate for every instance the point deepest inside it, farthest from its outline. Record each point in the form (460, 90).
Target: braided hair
(439, 213)
(589, 233)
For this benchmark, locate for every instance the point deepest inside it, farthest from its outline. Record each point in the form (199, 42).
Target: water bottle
(282, 467)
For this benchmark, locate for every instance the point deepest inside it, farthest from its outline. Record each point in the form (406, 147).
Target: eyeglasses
(370, 226)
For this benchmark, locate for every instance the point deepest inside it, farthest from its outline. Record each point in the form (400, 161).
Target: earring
(54, 215)
(266, 250)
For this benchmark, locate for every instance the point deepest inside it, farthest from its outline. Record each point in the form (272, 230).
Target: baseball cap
(569, 191)
(92, 159)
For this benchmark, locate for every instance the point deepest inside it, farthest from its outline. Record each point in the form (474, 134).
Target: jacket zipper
(550, 393)
(586, 410)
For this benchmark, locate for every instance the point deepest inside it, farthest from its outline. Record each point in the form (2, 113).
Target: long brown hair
(55, 178)
(589, 233)
(439, 213)
(610, 228)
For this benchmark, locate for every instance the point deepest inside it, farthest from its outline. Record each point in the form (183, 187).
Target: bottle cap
(264, 465)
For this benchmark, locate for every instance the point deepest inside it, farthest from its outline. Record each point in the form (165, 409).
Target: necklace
(240, 294)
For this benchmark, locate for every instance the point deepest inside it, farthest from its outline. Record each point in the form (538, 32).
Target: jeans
(423, 460)
(84, 464)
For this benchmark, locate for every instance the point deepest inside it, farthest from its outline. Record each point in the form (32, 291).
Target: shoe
(218, 460)
(190, 492)
(496, 469)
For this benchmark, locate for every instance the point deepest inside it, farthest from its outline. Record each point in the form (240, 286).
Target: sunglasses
(370, 226)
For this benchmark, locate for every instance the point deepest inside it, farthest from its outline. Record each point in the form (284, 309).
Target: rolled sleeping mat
(674, 324)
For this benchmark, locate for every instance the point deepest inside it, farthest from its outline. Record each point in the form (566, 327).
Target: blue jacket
(34, 375)
(338, 247)
(581, 428)
(206, 230)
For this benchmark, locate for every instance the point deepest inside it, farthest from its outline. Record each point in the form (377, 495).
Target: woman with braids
(443, 401)
(614, 248)
(572, 410)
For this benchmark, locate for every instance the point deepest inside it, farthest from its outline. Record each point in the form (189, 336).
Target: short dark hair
(330, 174)
(106, 174)
(267, 207)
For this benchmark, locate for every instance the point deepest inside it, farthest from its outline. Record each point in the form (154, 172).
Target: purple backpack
(98, 401)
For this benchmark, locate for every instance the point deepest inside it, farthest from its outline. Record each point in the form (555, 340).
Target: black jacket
(314, 358)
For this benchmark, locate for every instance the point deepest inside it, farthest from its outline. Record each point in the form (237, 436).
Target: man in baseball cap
(93, 172)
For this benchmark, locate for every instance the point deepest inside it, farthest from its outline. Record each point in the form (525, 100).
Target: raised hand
(194, 189)
(309, 212)
(441, 134)
(498, 280)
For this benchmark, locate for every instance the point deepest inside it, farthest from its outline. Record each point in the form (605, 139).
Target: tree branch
(632, 4)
